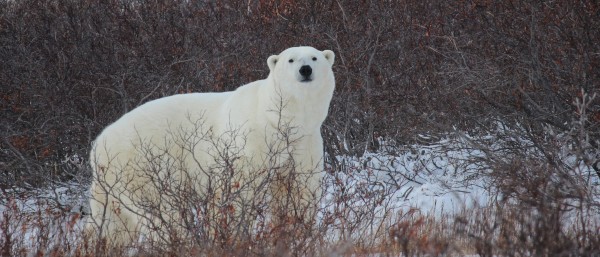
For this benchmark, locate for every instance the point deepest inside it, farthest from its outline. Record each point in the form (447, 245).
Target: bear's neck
(305, 110)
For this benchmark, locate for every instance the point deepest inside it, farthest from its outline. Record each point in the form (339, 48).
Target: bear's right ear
(272, 61)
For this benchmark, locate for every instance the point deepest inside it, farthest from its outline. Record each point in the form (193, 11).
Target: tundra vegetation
(506, 92)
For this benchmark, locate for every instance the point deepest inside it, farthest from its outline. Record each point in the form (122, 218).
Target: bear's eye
(291, 60)
(314, 58)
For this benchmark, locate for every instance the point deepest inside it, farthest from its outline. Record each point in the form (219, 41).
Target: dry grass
(485, 232)
(505, 228)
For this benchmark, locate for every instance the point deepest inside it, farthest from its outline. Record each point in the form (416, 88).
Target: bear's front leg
(308, 173)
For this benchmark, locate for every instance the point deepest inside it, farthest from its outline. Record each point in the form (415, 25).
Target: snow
(377, 190)
(438, 180)
(43, 218)
(433, 178)
(427, 178)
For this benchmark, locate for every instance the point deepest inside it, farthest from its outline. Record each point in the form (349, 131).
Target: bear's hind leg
(112, 221)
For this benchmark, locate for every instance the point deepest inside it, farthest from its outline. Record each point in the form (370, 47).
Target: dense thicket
(403, 68)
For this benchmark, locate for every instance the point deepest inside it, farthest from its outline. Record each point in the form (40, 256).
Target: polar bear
(165, 143)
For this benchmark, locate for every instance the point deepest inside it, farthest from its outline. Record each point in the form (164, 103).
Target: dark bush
(69, 68)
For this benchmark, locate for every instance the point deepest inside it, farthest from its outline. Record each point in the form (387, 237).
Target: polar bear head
(303, 68)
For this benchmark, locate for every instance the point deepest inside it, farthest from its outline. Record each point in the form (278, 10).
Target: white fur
(256, 109)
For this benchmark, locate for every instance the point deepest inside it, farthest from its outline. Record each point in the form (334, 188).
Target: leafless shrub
(547, 191)
(504, 72)
(38, 225)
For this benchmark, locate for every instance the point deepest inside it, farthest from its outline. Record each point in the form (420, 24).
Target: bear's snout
(305, 71)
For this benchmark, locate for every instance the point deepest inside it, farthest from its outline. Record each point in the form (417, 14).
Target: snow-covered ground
(438, 179)
(427, 178)
(430, 179)
(43, 218)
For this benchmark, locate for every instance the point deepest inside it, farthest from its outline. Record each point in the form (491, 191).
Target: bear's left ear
(272, 61)
(329, 55)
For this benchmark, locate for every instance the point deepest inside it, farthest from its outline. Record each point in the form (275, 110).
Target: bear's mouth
(306, 80)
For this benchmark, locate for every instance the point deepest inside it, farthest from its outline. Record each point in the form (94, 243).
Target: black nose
(305, 70)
